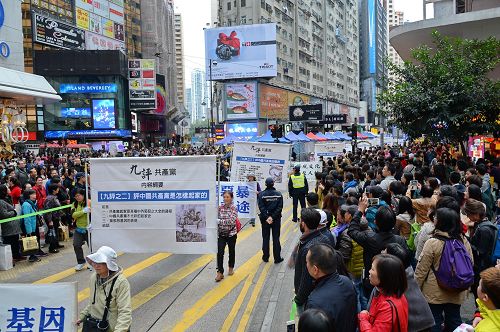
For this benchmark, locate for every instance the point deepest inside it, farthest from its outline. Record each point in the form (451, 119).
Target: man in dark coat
(270, 206)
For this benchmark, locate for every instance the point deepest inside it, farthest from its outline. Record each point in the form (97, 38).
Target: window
(243, 19)
(228, 6)
(243, 3)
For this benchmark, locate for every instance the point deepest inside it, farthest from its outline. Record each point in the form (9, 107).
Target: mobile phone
(290, 326)
(373, 201)
(414, 183)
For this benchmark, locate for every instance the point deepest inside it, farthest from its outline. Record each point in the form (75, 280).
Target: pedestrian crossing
(175, 292)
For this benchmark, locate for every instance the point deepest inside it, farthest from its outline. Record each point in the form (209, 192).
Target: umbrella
(303, 138)
(292, 137)
(315, 138)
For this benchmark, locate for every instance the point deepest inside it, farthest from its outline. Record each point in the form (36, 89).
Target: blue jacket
(350, 184)
(371, 212)
(29, 222)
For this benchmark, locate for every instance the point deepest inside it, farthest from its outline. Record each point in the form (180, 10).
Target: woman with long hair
(11, 230)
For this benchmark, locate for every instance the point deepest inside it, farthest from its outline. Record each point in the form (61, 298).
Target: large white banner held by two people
(262, 160)
(155, 204)
(43, 308)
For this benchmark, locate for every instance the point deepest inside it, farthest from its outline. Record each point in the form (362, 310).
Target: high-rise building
(133, 34)
(394, 18)
(373, 45)
(189, 101)
(199, 95)
(317, 43)
(179, 59)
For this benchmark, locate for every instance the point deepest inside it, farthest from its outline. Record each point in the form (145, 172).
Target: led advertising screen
(88, 88)
(75, 112)
(244, 130)
(103, 116)
(244, 51)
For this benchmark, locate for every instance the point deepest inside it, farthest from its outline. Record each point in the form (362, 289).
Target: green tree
(445, 91)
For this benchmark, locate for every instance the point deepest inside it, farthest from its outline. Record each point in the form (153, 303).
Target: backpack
(495, 248)
(455, 271)
(415, 228)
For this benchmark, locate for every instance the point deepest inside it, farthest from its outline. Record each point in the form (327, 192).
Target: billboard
(274, 102)
(142, 84)
(96, 41)
(54, 33)
(245, 51)
(103, 113)
(240, 100)
(87, 88)
(306, 112)
(243, 130)
(75, 112)
(372, 36)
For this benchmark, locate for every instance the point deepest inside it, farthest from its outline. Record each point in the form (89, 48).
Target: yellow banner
(82, 18)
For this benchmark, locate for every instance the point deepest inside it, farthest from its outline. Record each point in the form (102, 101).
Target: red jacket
(41, 195)
(15, 193)
(383, 317)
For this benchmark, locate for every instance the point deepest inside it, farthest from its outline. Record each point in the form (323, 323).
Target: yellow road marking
(236, 307)
(59, 276)
(167, 282)
(84, 294)
(253, 298)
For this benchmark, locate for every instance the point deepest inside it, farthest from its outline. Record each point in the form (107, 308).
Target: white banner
(161, 204)
(49, 307)
(98, 42)
(262, 160)
(326, 150)
(244, 197)
(309, 168)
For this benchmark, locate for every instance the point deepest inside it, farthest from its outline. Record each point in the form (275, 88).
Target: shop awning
(25, 88)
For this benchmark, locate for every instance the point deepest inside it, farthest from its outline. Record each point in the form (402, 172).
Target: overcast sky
(196, 14)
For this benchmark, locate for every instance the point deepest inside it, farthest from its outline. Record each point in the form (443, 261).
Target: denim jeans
(362, 300)
(452, 318)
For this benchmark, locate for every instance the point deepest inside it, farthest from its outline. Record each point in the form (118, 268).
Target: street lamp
(212, 122)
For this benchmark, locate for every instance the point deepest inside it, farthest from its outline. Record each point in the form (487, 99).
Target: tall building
(317, 43)
(199, 95)
(373, 45)
(394, 18)
(189, 101)
(133, 35)
(158, 42)
(179, 59)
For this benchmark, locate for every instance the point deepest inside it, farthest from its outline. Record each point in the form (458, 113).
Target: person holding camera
(109, 307)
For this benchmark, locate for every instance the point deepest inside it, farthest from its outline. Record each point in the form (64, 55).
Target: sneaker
(265, 260)
(53, 251)
(80, 267)
(33, 259)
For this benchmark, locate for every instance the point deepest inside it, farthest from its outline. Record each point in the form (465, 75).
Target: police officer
(297, 189)
(270, 205)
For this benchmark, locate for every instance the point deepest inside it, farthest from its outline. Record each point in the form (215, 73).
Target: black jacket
(336, 296)
(373, 242)
(303, 281)
(482, 244)
(270, 204)
(297, 191)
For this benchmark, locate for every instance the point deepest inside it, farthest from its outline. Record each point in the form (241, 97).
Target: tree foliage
(445, 92)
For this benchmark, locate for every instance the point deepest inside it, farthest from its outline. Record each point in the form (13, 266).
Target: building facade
(373, 48)
(317, 43)
(133, 34)
(199, 99)
(394, 18)
(179, 59)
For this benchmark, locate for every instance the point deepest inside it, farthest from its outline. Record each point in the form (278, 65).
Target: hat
(296, 167)
(352, 209)
(322, 213)
(376, 191)
(104, 255)
(79, 175)
(269, 181)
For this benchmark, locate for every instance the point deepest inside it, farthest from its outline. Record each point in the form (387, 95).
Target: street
(178, 292)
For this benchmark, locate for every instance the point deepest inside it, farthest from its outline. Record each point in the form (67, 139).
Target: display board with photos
(241, 100)
(142, 83)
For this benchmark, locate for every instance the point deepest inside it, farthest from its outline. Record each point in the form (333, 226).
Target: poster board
(309, 168)
(244, 197)
(45, 307)
(157, 204)
(326, 150)
(262, 160)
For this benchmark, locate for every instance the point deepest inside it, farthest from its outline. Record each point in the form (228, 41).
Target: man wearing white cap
(109, 289)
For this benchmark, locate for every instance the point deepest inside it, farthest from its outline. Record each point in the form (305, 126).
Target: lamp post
(212, 122)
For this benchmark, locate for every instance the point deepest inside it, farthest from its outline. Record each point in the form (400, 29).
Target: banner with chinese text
(309, 168)
(49, 307)
(244, 197)
(160, 204)
(262, 160)
(326, 150)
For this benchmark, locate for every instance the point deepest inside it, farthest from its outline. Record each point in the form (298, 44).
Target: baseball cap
(269, 181)
(296, 167)
(104, 255)
(352, 209)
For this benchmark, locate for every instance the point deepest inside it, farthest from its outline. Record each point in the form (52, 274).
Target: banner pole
(89, 221)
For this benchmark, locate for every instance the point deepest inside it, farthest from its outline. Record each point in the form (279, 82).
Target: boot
(219, 277)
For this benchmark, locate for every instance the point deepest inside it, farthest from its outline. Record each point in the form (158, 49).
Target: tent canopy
(227, 140)
(315, 138)
(267, 138)
(321, 135)
(292, 137)
(302, 137)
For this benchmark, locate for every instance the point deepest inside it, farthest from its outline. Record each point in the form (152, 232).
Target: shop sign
(306, 112)
(56, 134)
(54, 33)
(142, 82)
(4, 47)
(88, 88)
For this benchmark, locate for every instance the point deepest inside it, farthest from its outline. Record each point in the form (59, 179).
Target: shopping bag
(41, 232)
(63, 233)
(6, 262)
(29, 245)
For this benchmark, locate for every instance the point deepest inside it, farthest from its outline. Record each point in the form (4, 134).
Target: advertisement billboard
(240, 100)
(58, 34)
(95, 41)
(274, 102)
(372, 36)
(245, 51)
(243, 130)
(103, 113)
(142, 84)
(82, 18)
(306, 112)
(88, 88)
(75, 112)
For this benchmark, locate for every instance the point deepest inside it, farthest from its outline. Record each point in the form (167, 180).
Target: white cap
(104, 255)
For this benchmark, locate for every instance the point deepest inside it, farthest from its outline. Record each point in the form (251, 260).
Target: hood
(491, 316)
(405, 217)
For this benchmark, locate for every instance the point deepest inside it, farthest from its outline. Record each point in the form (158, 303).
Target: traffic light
(354, 131)
(276, 131)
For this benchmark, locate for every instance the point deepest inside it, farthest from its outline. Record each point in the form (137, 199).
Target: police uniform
(298, 189)
(270, 205)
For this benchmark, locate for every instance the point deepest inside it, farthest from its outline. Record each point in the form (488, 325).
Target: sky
(197, 13)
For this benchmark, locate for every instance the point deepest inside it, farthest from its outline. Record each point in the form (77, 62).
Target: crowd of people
(415, 232)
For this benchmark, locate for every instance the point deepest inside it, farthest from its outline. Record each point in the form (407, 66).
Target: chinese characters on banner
(326, 150)
(244, 197)
(263, 160)
(155, 205)
(309, 168)
(42, 308)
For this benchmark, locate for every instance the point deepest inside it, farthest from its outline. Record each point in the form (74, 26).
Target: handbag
(6, 262)
(63, 233)
(91, 324)
(51, 237)
(29, 245)
(238, 225)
